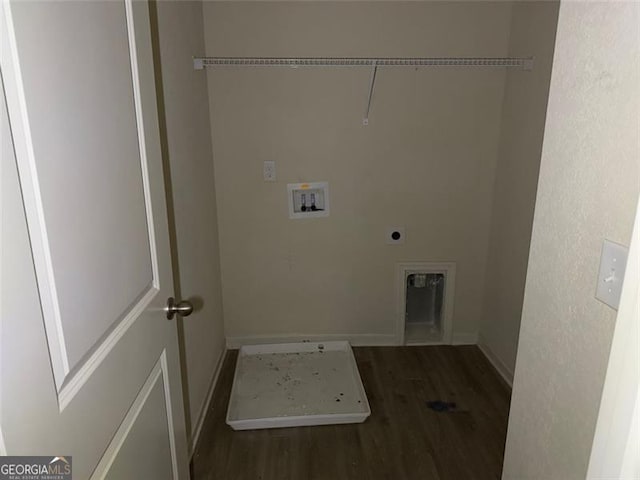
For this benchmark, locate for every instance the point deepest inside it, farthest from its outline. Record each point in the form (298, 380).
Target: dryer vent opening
(424, 321)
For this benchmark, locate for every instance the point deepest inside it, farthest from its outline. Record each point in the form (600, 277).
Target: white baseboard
(464, 339)
(498, 364)
(195, 435)
(357, 340)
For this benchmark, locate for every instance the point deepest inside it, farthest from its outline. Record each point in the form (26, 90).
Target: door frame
(613, 454)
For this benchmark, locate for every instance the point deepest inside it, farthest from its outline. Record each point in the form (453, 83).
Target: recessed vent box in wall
(308, 200)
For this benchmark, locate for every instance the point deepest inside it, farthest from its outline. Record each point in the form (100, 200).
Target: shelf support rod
(372, 83)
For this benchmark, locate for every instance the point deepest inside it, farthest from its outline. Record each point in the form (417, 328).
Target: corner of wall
(484, 317)
(522, 127)
(505, 372)
(202, 414)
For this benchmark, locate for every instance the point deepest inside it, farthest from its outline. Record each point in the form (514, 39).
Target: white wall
(533, 26)
(188, 160)
(588, 188)
(426, 160)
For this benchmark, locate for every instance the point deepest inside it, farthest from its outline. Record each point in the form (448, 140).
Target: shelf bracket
(372, 83)
(527, 64)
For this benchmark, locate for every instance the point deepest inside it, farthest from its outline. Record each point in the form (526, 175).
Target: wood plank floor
(403, 438)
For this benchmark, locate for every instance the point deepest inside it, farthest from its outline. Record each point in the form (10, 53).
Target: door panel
(84, 49)
(85, 270)
(143, 447)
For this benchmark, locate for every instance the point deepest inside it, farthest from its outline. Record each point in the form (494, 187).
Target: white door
(89, 361)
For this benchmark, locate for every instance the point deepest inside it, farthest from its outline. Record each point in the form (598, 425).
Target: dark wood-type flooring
(402, 439)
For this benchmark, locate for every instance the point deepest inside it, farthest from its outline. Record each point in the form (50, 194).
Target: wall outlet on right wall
(613, 263)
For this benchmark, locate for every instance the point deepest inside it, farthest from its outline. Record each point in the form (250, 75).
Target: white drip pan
(296, 384)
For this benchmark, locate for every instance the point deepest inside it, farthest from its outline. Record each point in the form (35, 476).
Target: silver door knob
(183, 308)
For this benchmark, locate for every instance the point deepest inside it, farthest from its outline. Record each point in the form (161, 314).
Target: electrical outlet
(395, 235)
(269, 171)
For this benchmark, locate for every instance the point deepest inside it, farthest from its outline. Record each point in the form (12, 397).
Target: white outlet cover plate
(269, 171)
(389, 235)
(613, 263)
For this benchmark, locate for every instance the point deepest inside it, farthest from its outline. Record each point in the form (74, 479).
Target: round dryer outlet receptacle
(395, 235)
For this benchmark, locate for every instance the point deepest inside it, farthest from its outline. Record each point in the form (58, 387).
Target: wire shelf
(203, 62)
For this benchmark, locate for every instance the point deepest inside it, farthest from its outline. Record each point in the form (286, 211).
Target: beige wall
(533, 26)
(588, 189)
(426, 160)
(188, 159)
